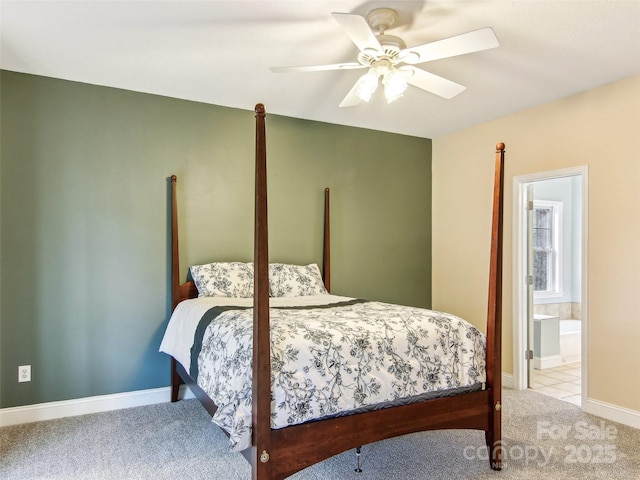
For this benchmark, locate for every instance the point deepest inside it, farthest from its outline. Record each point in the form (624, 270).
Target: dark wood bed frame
(278, 453)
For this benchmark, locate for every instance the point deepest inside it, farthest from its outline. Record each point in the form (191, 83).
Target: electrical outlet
(24, 373)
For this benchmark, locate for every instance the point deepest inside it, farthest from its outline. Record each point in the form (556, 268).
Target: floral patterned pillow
(295, 280)
(224, 279)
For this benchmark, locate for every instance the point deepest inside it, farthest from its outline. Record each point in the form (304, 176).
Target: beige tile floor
(561, 382)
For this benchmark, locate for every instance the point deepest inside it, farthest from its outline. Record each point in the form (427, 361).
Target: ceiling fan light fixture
(394, 85)
(367, 85)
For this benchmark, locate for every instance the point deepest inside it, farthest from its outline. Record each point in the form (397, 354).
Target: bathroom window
(547, 221)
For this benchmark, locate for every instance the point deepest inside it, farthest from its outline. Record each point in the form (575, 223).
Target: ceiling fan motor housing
(391, 48)
(380, 20)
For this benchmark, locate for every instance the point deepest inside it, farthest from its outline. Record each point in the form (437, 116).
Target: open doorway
(550, 280)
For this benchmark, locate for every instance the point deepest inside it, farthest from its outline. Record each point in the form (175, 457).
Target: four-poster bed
(276, 453)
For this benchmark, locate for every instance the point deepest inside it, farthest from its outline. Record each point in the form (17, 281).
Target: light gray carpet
(543, 438)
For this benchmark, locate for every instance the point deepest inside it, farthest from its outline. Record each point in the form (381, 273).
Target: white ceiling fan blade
(318, 68)
(431, 83)
(351, 99)
(357, 28)
(469, 42)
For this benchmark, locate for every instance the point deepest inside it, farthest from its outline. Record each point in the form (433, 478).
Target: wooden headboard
(186, 290)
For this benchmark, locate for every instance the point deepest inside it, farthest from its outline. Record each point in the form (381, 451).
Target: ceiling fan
(388, 59)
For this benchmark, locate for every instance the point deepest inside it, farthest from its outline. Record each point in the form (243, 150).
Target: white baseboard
(626, 416)
(551, 361)
(83, 406)
(573, 358)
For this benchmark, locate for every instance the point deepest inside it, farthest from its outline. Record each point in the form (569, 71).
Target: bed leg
(358, 453)
(495, 450)
(175, 381)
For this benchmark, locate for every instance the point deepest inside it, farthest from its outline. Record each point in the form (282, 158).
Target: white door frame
(519, 271)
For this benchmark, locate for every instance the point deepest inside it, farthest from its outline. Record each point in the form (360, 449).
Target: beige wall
(599, 128)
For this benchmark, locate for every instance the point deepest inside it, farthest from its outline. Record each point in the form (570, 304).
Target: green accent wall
(84, 212)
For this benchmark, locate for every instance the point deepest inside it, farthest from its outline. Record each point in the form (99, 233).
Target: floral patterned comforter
(331, 359)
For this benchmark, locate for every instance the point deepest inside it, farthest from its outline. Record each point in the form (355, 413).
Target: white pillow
(224, 279)
(295, 280)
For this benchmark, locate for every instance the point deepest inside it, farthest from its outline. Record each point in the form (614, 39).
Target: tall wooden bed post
(175, 280)
(326, 251)
(493, 434)
(261, 403)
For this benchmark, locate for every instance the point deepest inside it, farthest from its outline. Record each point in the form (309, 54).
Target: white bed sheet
(180, 332)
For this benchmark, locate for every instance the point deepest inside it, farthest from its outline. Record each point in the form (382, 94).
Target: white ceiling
(219, 52)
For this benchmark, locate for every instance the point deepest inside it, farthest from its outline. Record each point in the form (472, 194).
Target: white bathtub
(570, 340)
